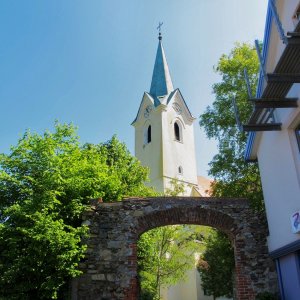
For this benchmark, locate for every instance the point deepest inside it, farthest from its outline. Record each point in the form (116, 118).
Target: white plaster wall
(150, 154)
(290, 119)
(163, 155)
(190, 289)
(183, 290)
(286, 10)
(280, 186)
(188, 187)
(278, 152)
(279, 164)
(177, 153)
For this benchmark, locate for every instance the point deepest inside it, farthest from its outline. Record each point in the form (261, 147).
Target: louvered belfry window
(176, 132)
(149, 134)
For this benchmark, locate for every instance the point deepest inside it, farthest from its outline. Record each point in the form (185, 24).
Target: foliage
(233, 176)
(176, 189)
(46, 182)
(216, 266)
(165, 254)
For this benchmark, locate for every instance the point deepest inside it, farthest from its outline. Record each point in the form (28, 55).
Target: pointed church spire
(161, 83)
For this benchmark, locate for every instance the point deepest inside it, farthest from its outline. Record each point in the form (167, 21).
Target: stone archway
(110, 267)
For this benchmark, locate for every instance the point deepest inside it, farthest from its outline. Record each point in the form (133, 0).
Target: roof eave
(252, 144)
(136, 117)
(191, 117)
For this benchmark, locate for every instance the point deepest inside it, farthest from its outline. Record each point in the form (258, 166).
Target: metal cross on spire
(159, 29)
(159, 26)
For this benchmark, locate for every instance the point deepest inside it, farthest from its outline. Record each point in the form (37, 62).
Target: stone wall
(110, 267)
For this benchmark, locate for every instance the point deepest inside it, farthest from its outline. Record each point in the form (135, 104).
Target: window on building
(297, 14)
(297, 132)
(149, 134)
(177, 132)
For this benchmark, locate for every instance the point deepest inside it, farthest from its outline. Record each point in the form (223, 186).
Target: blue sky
(89, 62)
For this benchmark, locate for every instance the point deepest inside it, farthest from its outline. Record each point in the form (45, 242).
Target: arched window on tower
(177, 132)
(180, 170)
(149, 134)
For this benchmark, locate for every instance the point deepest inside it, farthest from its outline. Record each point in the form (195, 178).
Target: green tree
(233, 176)
(216, 266)
(165, 254)
(176, 189)
(46, 182)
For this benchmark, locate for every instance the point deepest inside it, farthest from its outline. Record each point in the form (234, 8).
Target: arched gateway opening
(110, 267)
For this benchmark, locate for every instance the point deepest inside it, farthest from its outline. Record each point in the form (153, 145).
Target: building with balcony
(274, 139)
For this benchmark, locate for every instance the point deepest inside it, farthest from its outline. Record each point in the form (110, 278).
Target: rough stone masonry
(110, 266)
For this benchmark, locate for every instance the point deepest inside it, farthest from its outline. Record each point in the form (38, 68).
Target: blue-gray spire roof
(161, 83)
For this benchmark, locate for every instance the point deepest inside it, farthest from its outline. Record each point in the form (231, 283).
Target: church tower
(164, 133)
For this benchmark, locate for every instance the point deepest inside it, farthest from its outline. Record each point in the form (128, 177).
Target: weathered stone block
(111, 277)
(114, 244)
(98, 277)
(138, 213)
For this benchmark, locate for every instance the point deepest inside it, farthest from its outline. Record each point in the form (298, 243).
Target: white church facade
(164, 142)
(164, 133)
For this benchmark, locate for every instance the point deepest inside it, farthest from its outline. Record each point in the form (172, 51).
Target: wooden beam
(262, 127)
(284, 78)
(275, 103)
(293, 34)
(274, 99)
(294, 40)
